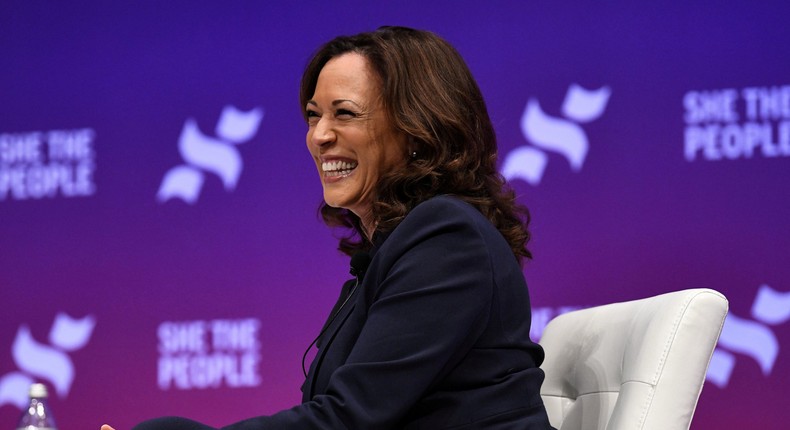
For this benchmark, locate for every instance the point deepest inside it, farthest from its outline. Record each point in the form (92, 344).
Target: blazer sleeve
(433, 286)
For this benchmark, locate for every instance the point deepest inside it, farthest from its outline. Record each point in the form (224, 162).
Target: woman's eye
(345, 113)
(312, 116)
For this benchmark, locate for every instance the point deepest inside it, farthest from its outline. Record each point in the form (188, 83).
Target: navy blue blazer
(436, 336)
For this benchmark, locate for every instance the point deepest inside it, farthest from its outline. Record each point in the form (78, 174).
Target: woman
(436, 334)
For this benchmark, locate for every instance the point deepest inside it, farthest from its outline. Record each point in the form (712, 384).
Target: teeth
(338, 168)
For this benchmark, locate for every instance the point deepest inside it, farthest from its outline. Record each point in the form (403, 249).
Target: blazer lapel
(324, 343)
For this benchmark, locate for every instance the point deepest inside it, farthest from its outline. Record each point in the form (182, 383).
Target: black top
(436, 336)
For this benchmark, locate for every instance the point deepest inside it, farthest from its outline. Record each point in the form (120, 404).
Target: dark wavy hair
(429, 94)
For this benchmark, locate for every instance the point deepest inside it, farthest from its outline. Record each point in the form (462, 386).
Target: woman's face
(350, 136)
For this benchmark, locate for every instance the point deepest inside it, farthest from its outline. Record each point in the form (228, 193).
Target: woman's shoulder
(445, 215)
(445, 204)
(446, 208)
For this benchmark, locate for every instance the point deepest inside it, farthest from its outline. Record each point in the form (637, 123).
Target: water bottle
(37, 416)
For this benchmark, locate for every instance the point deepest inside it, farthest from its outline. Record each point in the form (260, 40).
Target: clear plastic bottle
(38, 415)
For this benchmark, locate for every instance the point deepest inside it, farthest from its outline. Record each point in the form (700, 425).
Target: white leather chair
(632, 365)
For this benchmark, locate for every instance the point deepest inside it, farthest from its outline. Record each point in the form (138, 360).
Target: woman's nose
(322, 133)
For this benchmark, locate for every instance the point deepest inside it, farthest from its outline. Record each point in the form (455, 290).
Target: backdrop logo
(562, 135)
(752, 338)
(736, 124)
(208, 354)
(216, 155)
(46, 164)
(50, 362)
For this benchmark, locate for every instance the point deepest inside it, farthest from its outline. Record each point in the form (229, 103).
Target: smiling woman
(350, 136)
(434, 331)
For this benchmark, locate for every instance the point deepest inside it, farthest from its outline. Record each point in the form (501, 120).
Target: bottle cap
(38, 391)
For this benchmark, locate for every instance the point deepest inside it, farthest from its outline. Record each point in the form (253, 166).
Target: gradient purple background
(636, 220)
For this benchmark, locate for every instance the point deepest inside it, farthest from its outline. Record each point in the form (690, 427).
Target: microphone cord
(331, 320)
(359, 264)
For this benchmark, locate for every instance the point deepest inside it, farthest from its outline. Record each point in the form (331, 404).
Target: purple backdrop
(161, 252)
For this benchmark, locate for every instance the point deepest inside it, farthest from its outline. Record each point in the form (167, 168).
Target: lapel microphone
(359, 265)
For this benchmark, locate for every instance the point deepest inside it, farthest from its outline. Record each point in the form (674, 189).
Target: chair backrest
(632, 365)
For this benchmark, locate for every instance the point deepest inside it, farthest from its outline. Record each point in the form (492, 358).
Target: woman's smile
(338, 168)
